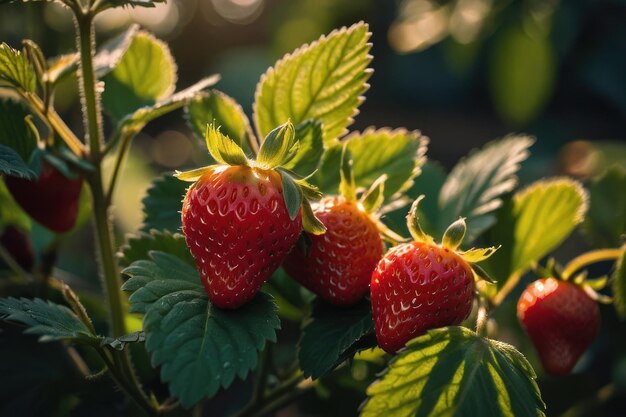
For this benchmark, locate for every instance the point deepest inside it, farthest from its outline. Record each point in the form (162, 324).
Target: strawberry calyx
(279, 147)
(451, 240)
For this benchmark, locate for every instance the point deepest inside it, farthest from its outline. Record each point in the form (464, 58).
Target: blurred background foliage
(462, 71)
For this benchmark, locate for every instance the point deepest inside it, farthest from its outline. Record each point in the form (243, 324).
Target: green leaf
(12, 164)
(606, 220)
(321, 81)
(10, 212)
(222, 148)
(292, 194)
(200, 348)
(522, 71)
(310, 149)
(398, 153)
(15, 70)
(14, 132)
(534, 223)
(134, 123)
(278, 147)
(162, 204)
(475, 185)
(119, 343)
(454, 372)
(618, 282)
(111, 52)
(130, 3)
(332, 335)
(225, 111)
(138, 246)
(48, 320)
(145, 75)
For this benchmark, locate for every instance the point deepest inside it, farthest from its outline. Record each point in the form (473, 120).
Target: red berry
(19, 246)
(339, 264)
(561, 320)
(238, 230)
(51, 200)
(416, 287)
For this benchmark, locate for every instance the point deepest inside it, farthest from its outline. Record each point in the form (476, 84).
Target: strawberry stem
(589, 258)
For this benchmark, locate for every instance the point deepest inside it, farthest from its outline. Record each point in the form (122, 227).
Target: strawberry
(51, 200)
(338, 266)
(561, 320)
(241, 217)
(422, 285)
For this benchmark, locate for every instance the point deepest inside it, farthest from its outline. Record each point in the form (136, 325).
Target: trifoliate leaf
(161, 205)
(222, 148)
(454, 372)
(14, 132)
(225, 111)
(138, 246)
(397, 153)
(321, 81)
(145, 74)
(619, 285)
(605, 223)
(310, 149)
(534, 223)
(48, 320)
(333, 335)
(15, 70)
(475, 185)
(199, 347)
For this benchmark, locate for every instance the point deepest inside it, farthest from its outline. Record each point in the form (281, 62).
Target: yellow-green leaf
(15, 70)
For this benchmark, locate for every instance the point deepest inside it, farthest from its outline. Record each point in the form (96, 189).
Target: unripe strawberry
(52, 199)
(241, 218)
(561, 320)
(422, 285)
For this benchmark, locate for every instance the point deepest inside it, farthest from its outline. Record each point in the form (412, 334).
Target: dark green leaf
(162, 204)
(14, 132)
(15, 70)
(606, 220)
(138, 246)
(131, 3)
(619, 285)
(321, 81)
(145, 74)
(475, 185)
(48, 320)
(310, 149)
(119, 343)
(200, 348)
(454, 372)
(225, 111)
(333, 335)
(12, 164)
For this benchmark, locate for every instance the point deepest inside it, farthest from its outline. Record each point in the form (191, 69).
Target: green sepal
(597, 283)
(222, 148)
(478, 254)
(374, 197)
(310, 191)
(310, 223)
(454, 234)
(291, 193)
(412, 221)
(279, 147)
(347, 184)
(480, 273)
(194, 174)
(388, 234)
(304, 244)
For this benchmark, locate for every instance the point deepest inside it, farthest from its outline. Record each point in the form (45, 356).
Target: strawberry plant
(302, 260)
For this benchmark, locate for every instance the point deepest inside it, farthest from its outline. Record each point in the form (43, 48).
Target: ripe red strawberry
(421, 285)
(238, 230)
(561, 320)
(241, 218)
(338, 265)
(51, 200)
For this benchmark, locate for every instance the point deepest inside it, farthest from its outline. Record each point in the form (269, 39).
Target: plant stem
(276, 399)
(510, 284)
(119, 160)
(590, 258)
